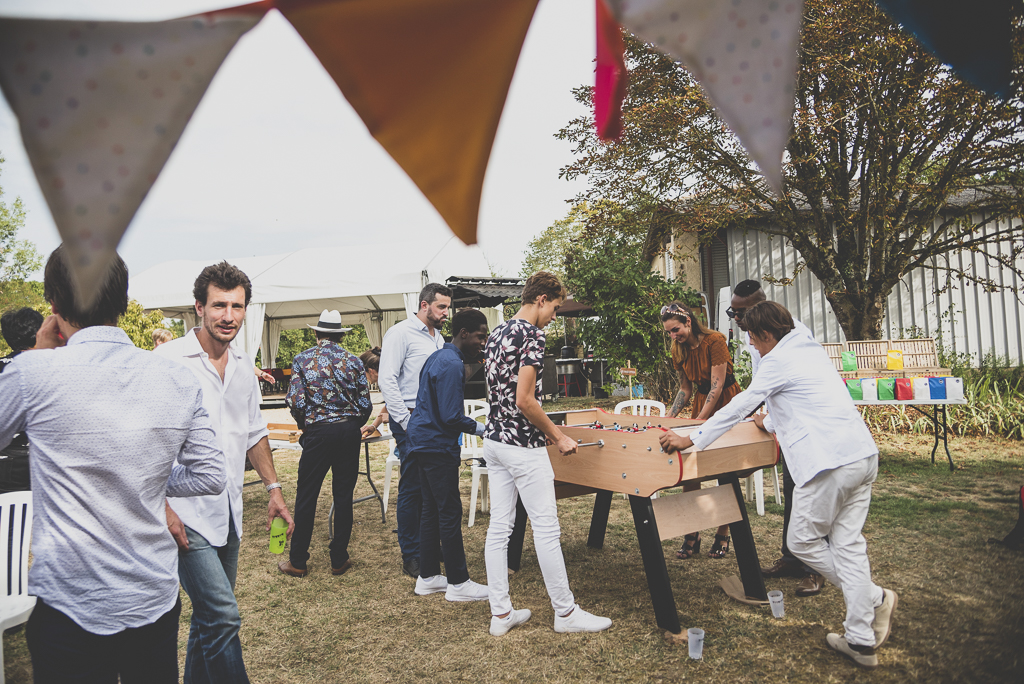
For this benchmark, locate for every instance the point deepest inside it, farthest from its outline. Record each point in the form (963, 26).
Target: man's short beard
(212, 331)
(434, 322)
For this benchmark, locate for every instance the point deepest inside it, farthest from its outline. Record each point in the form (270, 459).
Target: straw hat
(330, 322)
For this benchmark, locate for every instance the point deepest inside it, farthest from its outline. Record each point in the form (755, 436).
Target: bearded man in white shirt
(746, 294)
(404, 350)
(833, 460)
(208, 529)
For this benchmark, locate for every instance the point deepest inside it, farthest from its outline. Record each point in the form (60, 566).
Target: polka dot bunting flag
(744, 53)
(101, 106)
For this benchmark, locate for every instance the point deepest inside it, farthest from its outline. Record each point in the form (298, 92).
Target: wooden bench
(919, 358)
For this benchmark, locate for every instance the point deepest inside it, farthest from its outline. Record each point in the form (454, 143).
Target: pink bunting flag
(611, 77)
(101, 105)
(743, 52)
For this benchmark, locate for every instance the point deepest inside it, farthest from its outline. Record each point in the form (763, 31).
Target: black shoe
(785, 568)
(411, 567)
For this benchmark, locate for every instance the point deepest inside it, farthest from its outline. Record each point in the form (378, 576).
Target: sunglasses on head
(672, 308)
(734, 314)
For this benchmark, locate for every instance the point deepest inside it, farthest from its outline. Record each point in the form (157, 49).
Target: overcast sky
(275, 159)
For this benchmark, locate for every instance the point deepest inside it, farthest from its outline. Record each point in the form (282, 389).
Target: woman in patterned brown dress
(704, 365)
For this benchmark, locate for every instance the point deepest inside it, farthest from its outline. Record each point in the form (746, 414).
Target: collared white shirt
(114, 430)
(811, 411)
(404, 350)
(234, 408)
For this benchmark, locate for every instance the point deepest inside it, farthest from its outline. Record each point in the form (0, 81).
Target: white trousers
(513, 470)
(835, 504)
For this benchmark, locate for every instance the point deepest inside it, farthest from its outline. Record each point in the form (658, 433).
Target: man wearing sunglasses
(744, 296)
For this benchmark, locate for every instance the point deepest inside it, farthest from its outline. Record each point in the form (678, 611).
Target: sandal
(720, 547)
(689, 549)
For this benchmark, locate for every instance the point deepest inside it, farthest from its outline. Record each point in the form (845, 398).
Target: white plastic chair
(390, 464)
(755, 482)
(15, 603)
(640, 407)
(473, 451)
(470, 406)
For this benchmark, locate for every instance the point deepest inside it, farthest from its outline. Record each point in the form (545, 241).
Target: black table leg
(945, 436)
(599, 520)
(376, 495)
(743, 543)
(935, 426)
(654, 563)
(515, 540)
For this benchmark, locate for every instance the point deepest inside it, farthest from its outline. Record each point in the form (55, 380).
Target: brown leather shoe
(784, 568)
(343, 569)
(287, 568)
(810, 585)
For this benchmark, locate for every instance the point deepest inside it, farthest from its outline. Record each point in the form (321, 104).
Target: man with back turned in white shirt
(833, 460)
(208, 529)
(114, 430)
(404, 350)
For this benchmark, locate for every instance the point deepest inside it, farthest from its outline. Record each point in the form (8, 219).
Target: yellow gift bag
(894, 359)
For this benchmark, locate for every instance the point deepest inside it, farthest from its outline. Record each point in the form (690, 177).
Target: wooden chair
(640, 407)
(15, 534)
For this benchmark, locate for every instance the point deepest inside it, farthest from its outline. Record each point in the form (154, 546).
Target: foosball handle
(599, 443)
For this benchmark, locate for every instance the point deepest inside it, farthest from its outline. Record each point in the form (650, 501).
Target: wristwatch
(273, 485)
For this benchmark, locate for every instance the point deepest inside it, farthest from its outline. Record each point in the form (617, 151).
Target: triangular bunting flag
(971, 36)
(428, 78)
(744, 53)
(611, 78)
(101, 106)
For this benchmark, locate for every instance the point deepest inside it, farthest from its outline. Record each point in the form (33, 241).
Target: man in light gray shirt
(114, 430)
(404, 350)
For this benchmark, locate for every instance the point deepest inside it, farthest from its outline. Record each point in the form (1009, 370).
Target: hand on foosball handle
(566, 445)
(671, 441)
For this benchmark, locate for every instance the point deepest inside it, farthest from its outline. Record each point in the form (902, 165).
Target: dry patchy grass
(960, 617)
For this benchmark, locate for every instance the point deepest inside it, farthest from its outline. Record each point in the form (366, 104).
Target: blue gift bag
(937, 388)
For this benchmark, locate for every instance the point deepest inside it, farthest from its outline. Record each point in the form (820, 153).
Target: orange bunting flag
(429, 79)
(101, 105)
(611, 79)
(743, 52)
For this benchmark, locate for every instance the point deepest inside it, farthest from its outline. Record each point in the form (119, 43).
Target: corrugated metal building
(962, 315)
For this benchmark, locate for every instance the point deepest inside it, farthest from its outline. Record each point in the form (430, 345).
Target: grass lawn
(960, 615)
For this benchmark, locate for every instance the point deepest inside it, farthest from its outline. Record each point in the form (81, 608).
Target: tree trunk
(859, 316)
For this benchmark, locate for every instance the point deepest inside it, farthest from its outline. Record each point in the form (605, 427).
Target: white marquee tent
(373, 285)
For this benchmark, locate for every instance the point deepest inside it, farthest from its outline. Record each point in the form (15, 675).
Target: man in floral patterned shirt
(517, 460)
(329, 388)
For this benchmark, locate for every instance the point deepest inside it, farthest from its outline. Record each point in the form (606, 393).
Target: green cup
(278, 535)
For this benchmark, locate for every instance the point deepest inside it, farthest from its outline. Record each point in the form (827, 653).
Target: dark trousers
(15, 473)
(441, 521)
(787, 510)
(334, 447)
(65, 653)
(410, 498)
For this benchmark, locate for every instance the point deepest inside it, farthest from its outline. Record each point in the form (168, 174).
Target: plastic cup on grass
(775, 599)
(695, 637)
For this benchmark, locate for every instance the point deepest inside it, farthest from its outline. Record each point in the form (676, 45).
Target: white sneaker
(882, 624)
(431, 585)
(500, 626)
(862, 655)
(467, 591)
(580, 620)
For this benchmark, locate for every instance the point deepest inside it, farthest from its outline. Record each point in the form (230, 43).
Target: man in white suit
(833, 461)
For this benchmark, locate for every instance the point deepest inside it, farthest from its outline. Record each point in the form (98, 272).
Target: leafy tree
(547, 251)
(140, 325)
(293, 342)
(893, 162)
(19, 259)
(607, 268)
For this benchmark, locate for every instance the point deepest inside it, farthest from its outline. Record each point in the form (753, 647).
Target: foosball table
(622, 453)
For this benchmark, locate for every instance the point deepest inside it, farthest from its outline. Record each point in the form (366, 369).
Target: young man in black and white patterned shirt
(517, 461)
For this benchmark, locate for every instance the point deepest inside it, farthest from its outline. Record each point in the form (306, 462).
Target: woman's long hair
(680, 312)
(371, 359)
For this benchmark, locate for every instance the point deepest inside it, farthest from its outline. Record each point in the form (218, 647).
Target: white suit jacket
(811, 411)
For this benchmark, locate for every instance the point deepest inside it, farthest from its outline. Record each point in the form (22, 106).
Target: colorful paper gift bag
(853, 386)
(937, 388)
(904, 389)
(869, 386)
(954, 389)
(849, 361)
(894, 359)
(886, 389)
(921, 390)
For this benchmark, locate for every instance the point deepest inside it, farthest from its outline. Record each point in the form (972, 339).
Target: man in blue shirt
(329, 389)
(433, 443)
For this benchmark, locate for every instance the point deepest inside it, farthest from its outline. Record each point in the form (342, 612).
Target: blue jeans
(410, 498)
(207, 575)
